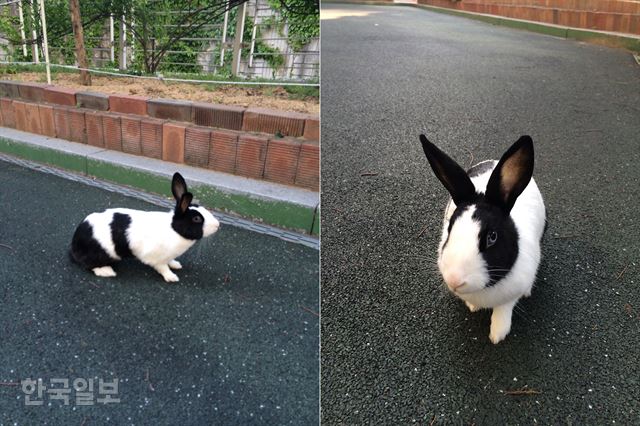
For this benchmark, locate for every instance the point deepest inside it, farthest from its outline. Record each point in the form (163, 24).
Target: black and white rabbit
(154, 238)
(490, 247)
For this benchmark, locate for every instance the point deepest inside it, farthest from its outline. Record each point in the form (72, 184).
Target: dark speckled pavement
(396, 347)
(234, 342)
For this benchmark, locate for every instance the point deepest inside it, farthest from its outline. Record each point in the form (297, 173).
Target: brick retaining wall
(603, 15)
(277, 146)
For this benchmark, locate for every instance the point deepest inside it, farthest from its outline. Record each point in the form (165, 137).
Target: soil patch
(272, 97)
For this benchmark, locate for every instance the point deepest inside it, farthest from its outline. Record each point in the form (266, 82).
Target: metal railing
(266, 54)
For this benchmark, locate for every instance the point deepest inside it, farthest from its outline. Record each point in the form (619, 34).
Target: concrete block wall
(277, 146)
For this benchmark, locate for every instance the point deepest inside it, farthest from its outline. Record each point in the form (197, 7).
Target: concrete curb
(274, 204)
(591, 36)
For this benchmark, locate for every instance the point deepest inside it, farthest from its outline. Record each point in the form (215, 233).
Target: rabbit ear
(183, 204)
(512, 174)
(178, 186)
(452, 176)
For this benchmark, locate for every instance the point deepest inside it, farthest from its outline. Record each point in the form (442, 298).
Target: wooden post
(78, 33)
(237, 40)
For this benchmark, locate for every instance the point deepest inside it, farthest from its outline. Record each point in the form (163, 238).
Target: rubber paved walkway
(234, 342)
(397, 348)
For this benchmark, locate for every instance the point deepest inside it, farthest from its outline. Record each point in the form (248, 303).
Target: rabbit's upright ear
(178, 186)
(452, 176)
(512, 174)
(184, 203)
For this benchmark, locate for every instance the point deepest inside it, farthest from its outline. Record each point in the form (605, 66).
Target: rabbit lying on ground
(154, 238)
(490, 247)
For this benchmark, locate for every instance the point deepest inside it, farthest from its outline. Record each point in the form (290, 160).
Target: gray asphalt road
(234, 342)
(396, 347)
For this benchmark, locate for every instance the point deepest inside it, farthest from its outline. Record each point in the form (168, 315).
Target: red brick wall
(261, 144)
(603, 15)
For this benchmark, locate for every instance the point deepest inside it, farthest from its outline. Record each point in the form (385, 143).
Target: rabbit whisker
(519, 310)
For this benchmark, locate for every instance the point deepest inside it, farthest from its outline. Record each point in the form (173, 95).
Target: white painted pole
(237, 41)
(123, 44)
(224, 34)
(111, 39)
(290, 61)
(43, 20)
(253, 35)
(22, 36)
(36, 54)
(133, 23)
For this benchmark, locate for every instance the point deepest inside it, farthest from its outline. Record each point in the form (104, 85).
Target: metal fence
(301, 65)
(251, 41)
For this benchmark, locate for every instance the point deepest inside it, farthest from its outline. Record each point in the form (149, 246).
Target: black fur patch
(119, 226)
(500, 256)
(476, 170)
(86, 251)
(480, 168)
(187, 224)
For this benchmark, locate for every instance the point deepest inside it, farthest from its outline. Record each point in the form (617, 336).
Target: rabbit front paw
(166, 273)
(174, 264)
(472, 308)
(501, 322)
(104, 271)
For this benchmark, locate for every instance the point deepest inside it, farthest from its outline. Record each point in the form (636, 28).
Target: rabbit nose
(459, 285)
(454, 281)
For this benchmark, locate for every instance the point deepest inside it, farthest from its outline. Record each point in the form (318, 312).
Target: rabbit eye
(492, 237)
(197, 219)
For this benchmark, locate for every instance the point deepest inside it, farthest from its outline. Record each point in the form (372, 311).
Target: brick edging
(221, 116)
(127, 123)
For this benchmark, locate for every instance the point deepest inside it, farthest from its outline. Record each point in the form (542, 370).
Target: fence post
(111, 39)
(22, 36)
(253, 34)
(123, 44)
(133, 39)
(290, 61)
(45, 42)
(237, 41)
(224, 34)
(34, 48)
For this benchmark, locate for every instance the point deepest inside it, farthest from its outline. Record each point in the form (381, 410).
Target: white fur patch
(104, 271)
(211, 224)
(102, 232)
(460, 260)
